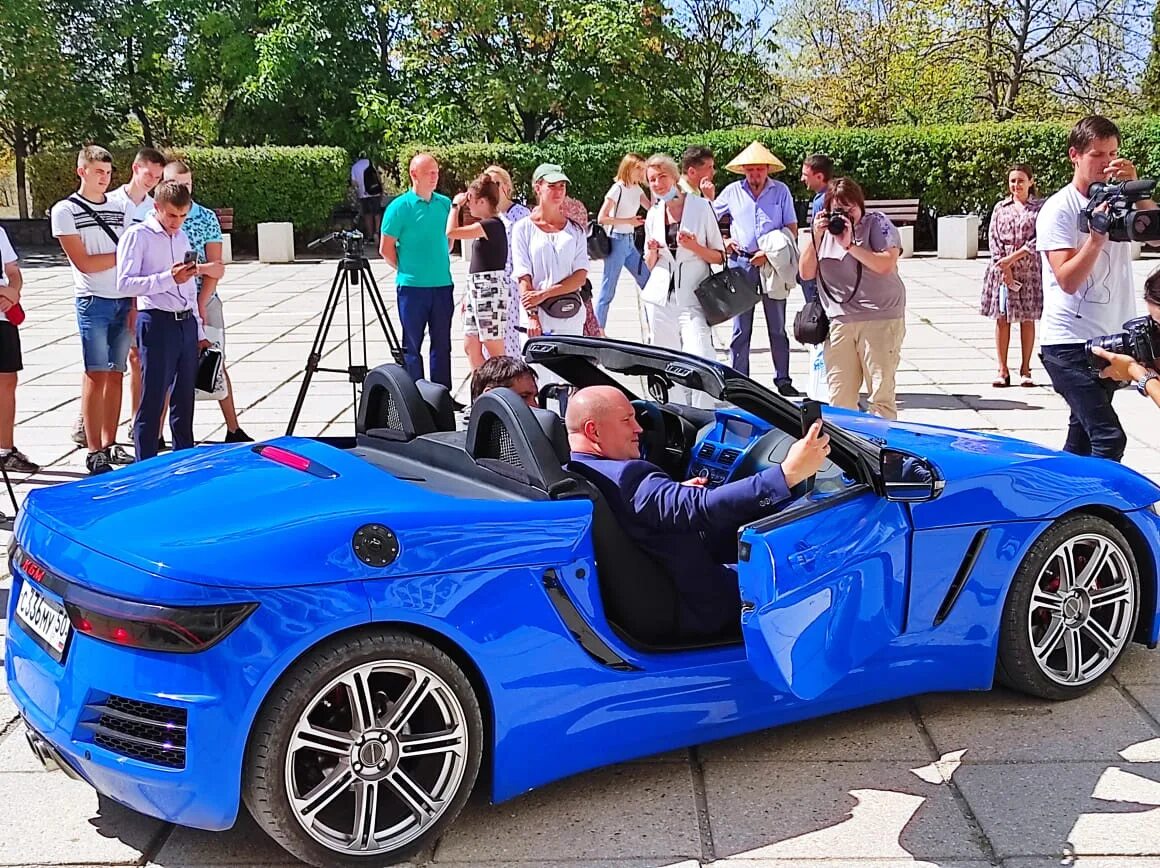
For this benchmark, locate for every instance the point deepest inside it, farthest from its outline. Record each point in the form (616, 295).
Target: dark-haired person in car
(505, 372)
(680, 525)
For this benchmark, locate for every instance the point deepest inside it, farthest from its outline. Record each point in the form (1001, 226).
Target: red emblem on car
(34, 570)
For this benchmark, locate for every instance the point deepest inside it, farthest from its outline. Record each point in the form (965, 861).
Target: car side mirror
(908, 478)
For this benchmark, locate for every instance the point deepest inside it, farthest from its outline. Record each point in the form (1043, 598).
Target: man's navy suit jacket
(682, 526)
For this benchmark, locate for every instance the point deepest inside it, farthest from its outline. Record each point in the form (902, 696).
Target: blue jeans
(1094, 428)
(103, 324)
(809, 289)
(774, 324)
(427, 309)
(623, 253)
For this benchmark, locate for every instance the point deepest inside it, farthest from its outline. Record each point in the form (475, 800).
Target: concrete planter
(958, 236)
(275, 242)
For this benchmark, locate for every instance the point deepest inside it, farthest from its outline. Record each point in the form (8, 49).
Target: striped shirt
(69, 218)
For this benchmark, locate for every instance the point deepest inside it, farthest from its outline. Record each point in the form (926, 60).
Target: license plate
(44, 619)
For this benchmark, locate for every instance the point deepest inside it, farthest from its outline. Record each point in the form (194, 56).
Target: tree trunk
(21, 150)
(146, 127)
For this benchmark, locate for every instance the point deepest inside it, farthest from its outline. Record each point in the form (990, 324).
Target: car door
(823, 587)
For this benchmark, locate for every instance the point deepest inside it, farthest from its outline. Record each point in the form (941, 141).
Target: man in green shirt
(414, 242)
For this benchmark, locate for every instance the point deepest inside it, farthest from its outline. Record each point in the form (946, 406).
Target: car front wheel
(365, 751)
(1071, 610)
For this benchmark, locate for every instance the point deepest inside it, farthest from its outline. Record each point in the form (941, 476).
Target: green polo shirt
(420, 232)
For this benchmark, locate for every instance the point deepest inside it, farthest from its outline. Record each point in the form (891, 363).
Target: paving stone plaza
(962, 781)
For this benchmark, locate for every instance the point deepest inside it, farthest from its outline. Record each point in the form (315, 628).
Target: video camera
(1122, 221)
(352, 242)
(1140, 339)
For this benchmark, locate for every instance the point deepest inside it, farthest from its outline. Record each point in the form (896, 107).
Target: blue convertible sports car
(346, 635)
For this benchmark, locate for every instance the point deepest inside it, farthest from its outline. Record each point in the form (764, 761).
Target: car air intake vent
(728, 456)
(706, 451)
(142, 730)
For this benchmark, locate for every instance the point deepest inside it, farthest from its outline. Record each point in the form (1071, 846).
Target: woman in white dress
(682, 240)
(550, 260)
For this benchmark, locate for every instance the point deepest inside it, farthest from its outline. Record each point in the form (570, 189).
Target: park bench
(225, 217)
(903, 213)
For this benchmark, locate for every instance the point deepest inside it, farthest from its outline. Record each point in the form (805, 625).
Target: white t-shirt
(357, 177)
(137, 213)
(626, 198)
(68, 218)
(1105, 300)
(549, 258)
(7, 255)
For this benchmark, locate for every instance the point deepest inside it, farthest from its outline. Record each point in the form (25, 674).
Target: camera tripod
(353, 270)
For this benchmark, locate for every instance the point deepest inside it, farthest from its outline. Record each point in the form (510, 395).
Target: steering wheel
(652, 438)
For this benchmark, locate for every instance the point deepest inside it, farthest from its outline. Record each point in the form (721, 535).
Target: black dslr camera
(839, 221)
(352, 242)
(1140, 339)
(1122, 221)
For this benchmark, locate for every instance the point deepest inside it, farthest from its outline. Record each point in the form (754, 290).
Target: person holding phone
(681, 526)
(1013, 284)
(156, 264)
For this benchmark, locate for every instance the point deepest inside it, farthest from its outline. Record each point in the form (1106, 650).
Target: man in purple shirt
(757, 206)
(151, 265)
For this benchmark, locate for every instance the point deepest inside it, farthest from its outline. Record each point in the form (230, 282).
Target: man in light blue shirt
(756, 206)
(817, 169)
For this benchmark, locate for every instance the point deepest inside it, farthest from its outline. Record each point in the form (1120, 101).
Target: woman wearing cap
(853, 254)
(682, 240)
(550, 260)
(621, 214)
(758, 205)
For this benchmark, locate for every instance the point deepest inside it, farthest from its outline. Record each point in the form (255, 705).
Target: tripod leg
(340, 282)
(384, 318)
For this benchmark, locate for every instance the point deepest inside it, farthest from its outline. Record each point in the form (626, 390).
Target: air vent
(728, 456)
(144, 731)
(706, 451)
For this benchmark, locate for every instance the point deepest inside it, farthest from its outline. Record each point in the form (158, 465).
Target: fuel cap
(375, 545)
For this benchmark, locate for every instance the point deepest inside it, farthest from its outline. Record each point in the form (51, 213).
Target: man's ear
(591, 432)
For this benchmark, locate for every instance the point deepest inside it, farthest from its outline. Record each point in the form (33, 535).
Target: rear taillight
(177, 629)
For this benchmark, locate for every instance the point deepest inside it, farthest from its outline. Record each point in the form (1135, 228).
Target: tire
(1071, 610)
(364, 752)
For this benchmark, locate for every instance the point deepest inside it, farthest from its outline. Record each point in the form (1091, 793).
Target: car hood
(995, 478)
(227, 516)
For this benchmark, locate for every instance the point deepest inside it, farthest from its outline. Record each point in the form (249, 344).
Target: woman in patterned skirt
(1012, 287)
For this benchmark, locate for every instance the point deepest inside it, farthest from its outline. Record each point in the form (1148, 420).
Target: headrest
(392, 406)
(437, 397)
(553, 427)
(506, 436)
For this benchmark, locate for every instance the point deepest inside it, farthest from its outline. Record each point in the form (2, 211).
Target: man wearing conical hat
(758, 205)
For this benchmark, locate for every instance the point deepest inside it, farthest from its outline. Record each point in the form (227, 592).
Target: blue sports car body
(343, 633)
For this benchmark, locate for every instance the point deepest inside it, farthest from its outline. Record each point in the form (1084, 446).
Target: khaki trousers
(869, 352)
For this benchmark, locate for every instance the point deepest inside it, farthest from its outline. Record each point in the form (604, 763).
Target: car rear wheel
(1071, 610)
(365, 751)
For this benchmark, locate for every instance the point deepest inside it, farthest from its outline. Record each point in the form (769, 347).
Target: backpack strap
(97, 217)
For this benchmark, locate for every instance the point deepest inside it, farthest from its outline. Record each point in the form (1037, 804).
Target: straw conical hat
(755, 155)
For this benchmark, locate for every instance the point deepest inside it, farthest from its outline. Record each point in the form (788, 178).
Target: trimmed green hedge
(300, 185)
(952, 169)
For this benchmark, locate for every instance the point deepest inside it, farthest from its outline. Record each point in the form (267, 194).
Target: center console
(724, 442)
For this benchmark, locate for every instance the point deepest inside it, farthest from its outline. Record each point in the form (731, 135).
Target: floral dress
(1013, 228)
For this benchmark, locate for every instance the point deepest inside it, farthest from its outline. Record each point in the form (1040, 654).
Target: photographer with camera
(863, 295)
(1142, 340)
(1087, 286)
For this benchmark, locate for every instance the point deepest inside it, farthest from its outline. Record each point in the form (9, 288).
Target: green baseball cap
(549, 172)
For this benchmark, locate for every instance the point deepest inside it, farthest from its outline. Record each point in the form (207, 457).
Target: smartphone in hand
(811, 412)
(190, 257)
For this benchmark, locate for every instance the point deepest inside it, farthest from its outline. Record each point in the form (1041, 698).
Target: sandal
(1025, 380)
(1002, 381)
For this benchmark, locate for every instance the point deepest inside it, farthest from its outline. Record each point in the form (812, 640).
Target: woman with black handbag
(682, 241)
(853, 253)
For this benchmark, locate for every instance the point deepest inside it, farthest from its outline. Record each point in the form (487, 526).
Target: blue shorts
(104, 327)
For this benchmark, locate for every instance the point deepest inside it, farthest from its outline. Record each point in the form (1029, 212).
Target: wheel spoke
(1066, 558)
(1095, 564)
(321, 740)
(1105, 640)
(413, 697)
(325, 793)
(417, 800)
(451, 741)
(1043, 598)
(1050, 641)
(1071, 644)
(1121, 593)
(358, 693)
(366, 814)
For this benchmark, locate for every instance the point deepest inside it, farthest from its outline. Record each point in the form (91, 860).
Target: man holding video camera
(1087, 287)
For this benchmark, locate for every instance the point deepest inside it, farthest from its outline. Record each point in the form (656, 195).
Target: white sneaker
(78, 431)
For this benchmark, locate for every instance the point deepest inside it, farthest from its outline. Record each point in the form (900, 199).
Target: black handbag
(811, 325)
(726, 294)
(599, 244)
(209, 367)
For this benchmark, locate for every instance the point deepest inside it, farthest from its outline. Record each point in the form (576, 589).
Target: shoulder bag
(811, 325)
(727, 293)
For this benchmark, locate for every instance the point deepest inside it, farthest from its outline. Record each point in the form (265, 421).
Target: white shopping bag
(817, 387)
(216, 338)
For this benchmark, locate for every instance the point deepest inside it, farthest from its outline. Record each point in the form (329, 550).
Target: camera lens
(1114, 343)
(838, 224)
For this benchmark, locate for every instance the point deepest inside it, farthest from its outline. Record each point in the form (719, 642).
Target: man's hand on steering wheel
(806, 456)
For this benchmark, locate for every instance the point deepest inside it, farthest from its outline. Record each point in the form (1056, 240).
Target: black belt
(178, 315)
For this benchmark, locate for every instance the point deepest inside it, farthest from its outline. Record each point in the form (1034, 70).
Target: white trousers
(681, 327)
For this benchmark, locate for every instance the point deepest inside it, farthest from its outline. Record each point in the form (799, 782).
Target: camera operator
(1126, 369)
(1087, 289)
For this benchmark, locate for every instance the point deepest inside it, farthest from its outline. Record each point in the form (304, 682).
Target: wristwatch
(1142, 383)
